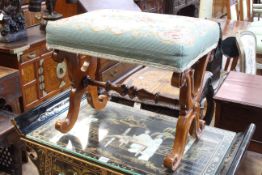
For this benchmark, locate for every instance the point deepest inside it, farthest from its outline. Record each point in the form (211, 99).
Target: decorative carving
(76, 76)
(84, 79)
(12, 21)
(189, 114)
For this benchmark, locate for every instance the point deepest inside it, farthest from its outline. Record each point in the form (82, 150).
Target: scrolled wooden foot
(197, 125)
(95, 100)
(173, 159)
(65, 125)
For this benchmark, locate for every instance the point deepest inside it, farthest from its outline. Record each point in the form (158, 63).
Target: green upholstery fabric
(166, 41)
(256, 28)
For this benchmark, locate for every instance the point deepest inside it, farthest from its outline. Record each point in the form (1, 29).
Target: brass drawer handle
(31, 55)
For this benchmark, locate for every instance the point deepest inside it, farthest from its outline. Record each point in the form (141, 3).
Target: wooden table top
(242, 89)
(34, 35)
(231, 27)
(5, 71)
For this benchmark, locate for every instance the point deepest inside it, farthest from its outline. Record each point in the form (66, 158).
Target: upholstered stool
(183, 45)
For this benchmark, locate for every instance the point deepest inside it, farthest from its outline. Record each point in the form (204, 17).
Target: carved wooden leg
(186, 117)
(77, 71)
(95, 100)
(190, 83)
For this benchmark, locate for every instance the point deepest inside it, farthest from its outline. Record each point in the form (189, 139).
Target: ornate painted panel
(119, 139)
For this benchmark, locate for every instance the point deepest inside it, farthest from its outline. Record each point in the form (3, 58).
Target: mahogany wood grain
(242, 89)
(66, 9)
(239, 103)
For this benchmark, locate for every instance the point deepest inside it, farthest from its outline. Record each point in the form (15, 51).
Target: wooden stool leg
(190, 84)
(78, 70)
(95, 100)
(173, 159)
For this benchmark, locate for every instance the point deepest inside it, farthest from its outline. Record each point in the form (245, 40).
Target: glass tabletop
(131, 140)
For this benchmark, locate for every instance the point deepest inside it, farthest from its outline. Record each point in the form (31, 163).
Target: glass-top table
(125, 139)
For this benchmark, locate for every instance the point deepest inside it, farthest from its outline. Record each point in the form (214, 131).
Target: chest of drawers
(40, 76)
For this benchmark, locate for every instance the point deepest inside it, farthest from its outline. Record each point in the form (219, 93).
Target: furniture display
(129, 44)
(10, 91)
(158, 81)
(11, 147)
(238, 103)
(122, 140)
(49, 14)
(40, 76)
(244, 12)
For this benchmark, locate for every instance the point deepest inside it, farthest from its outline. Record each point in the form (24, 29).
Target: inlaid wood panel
(52, 75)
(30, 94)
(27, 73)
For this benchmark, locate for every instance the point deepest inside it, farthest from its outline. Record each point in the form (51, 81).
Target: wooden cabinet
(9, 90)
(239, 103)
(40, 76)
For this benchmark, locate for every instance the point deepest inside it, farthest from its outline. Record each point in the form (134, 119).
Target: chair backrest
(206, 9)
(246, 10)
(246, 42)
(233, 9)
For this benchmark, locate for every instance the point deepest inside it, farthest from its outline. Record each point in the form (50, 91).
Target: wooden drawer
(117, 71)
(33, 52)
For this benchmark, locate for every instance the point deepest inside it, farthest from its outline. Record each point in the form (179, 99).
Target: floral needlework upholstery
(256, 28)
(167, 41)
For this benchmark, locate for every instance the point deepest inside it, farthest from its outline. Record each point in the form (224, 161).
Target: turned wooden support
(132, 91)
(78, 68)
(190, 84)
